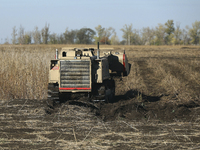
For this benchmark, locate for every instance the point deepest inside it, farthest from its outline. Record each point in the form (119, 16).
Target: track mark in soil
(151, 80)
(195, 68)
(167, 58)
(177, 72)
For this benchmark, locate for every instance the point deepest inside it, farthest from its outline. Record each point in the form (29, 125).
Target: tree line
(163, 34)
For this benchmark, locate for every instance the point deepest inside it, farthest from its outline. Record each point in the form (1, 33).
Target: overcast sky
(76, 14)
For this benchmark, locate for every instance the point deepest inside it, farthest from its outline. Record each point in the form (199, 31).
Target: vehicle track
(150, 78)
(177, 73)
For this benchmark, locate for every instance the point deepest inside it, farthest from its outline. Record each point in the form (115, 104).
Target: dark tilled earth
(124, 124)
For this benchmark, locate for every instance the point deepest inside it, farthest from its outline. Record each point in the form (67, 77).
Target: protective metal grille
(75, 74)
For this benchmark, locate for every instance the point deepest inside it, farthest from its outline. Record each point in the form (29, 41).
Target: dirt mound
(122, 109)
(141, 111)
(128, 107)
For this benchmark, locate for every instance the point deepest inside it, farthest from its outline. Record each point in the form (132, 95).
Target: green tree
(177, 34)
(70, 36)
(85, 36)
(169, 29)
(53, 38)
(27, 38)
(60, 39)
(194, 32)
(160, 35)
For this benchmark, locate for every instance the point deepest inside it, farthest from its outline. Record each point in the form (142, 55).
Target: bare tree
(185, 36)
(114, 39)
(147, 36)
(177, 33)
(21, 35)
(127, 33)
(135, 38)
(45, 34)
(14, 35)
(107, 33)
(6, 41)
(36, 36)
(100, 33)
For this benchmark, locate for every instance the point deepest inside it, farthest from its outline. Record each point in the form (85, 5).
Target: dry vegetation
(156, 107)
(168, 71)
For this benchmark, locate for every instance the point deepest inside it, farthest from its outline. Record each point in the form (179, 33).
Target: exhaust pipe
(98, 52)
(56, 56)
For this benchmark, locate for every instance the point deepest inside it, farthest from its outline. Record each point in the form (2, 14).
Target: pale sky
(76, 14)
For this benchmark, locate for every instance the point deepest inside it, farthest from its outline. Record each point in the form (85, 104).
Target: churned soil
(77, 124)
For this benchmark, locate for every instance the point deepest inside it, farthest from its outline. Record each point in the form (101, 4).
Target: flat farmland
(156, 107)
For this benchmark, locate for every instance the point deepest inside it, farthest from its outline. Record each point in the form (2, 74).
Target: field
(156, 107)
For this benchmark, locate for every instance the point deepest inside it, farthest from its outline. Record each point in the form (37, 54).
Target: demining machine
(86, 72)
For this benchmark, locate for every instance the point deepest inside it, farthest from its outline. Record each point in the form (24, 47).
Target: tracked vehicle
(78, 71)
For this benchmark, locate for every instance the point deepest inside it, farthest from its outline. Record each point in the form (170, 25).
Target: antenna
(98, 53)
(56, 56)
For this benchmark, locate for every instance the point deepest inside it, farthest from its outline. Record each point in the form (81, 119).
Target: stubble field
(156, 107)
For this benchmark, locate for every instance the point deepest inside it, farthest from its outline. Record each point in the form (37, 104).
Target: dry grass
(24, 72)
(171, 71)
(174, 69)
